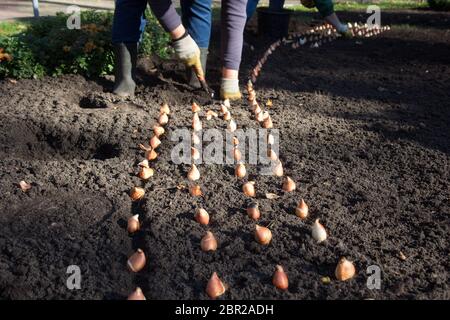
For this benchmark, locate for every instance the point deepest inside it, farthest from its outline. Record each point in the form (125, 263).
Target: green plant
(440, 5)
(48, 47)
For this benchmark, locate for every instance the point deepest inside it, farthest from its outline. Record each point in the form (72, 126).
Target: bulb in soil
(237, 154)
(137, 193)
(302, 210)
(163, 119)
(267, 123)
(155, 142)
(253, 211)
(215, 287)
(195, 138)
(150, 154)
(137, 261)
(137, 294)
(195, 191)
(201, 216)
(144, 163)
(133, 224)
(318, 232)
(232, 125)
(259, 117)
(208, 242)
(345, 270)
(240, 170)
(280, 279)
(227, 116)
(24, 186)
(278, 169)
(288, 184)
(227, 103)
(249, 189)
(195, 154)
(195, 107)
(270, 139)
(223, 109)
(196, 123)
(210, 114)
(158, 130)
(193, 173)
(235, 141)
(164, 109)
(145, 173)
(263, 235)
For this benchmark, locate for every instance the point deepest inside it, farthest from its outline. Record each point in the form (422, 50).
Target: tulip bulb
(195, 107)
(267, 123)
(137, 261)
(272, 155)
(227, 103)
(145, 173)
(25, 186)
(163, 119)
(232, 125)
(223, 109)
(164, 109)
(249, 189)
(270, 139)
(150, 154)
(318, 232)
(133, 224)
(136, 295)
(260, 117)
(263, 235)
(280, 279)
(137, 193)
(201, 216)
(208, 242)
(155, 142)
(253, 211)
(215, 287)
(227, 116)
(237, 154)
(302, 210)
(158, 130)
(196, 123)
(195, 154)
(240, 170)
(195, 138)
(195, 191)
(193, 173)
(345, 270)
(144, 163)
(278, 169)
(288, 184)
(235, 141)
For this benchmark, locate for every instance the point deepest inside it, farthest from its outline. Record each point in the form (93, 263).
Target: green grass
(355, 6)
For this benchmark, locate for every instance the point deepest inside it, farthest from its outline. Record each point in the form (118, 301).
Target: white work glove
(188, 51)
(229, 89)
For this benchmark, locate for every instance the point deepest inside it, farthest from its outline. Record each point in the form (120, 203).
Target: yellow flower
(66, 48)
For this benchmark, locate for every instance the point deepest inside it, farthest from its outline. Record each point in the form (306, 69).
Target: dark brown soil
(365, 133)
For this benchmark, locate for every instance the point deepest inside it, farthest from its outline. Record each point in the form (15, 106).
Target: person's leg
(128, 25)
(251, 8)
(233, 18)
(196, 17)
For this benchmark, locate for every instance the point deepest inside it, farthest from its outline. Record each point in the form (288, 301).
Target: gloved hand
(344, 31)
(188, 51)
(229, 89)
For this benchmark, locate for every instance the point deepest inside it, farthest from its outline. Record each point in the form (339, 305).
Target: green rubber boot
(192, 79)
(125, 66)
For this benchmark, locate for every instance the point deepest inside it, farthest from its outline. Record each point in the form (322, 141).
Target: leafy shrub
(48, 47)
(440, 5)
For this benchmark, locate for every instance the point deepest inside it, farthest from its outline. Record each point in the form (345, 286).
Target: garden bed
(364, 133)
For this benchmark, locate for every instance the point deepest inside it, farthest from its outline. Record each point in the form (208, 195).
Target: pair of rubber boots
(125, 68)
